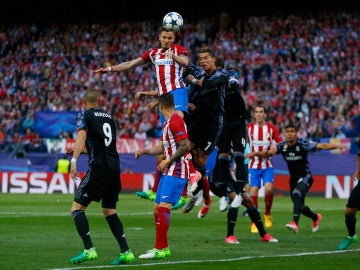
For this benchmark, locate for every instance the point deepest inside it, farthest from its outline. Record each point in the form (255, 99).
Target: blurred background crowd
(306, 68)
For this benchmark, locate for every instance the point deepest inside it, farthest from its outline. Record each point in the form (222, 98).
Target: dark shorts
(233, 135)
(99, 184)
(205, 132)
(354, 199)
(220, 188)
(301, 185)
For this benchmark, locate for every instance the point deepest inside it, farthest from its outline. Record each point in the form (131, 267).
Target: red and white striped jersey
(168, 71)
(260, 139)
(174, 130)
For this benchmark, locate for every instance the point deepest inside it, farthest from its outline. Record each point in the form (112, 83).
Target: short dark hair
(291, 125)
(219, 63)
(207, 50)
(260, 104)
(166, 100)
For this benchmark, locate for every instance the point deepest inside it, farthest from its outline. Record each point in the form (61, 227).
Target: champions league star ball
(173, 21)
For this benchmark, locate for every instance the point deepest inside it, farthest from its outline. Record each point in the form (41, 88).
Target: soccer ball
(173, 21)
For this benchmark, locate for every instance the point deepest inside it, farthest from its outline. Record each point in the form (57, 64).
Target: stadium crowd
(305, 67)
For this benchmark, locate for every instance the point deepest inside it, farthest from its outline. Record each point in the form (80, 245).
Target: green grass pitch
(37, 232)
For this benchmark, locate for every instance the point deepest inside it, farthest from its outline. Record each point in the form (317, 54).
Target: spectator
(28, 141)
(140, 134)
(38, 144)
(321, 72)
(68, 135)
(2, 139)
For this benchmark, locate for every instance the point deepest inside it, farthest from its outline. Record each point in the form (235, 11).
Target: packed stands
(306, 68)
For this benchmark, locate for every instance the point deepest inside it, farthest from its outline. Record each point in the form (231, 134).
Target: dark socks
(306, 211)
(117, 230)
(231, 220)
(255, 217)
(82, 227)
(350, 225)
(297, 207)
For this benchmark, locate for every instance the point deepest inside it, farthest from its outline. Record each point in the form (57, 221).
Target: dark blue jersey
(235, 107)
(296, 157)
(100, 138)
(197, 72)
(206, 122)
(212, 94)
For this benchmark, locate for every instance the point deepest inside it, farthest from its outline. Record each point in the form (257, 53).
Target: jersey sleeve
(181, 50)
(80, 121)
(276, 134)
(196, 71)
(308, 145)
(222, 78)
(178, 128)
(146, 56)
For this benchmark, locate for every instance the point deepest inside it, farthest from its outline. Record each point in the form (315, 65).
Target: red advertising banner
(328, 186)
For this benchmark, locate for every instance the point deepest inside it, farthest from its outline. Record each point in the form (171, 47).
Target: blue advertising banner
(48, 124)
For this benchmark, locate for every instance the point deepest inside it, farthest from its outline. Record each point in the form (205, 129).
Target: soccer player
(206, 121)
(234, 191)
(262, 136)
(175, 173)
(96, 130)
(168, 61)
(233, 135)
(295, 152)
(352, 206)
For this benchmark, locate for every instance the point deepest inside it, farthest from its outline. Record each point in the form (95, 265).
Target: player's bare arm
(153, 104)
(79, 146)
(121, 67)
(258, 154)
(191, 106)
(181, 59)
(142, 94)
(331, 146)
(184, 147)
(191, 79)
(153, 151)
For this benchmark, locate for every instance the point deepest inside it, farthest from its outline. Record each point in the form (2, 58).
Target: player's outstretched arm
(331, 146)
(153, 104)
(121, 67)
(141, 94)
(153, 151)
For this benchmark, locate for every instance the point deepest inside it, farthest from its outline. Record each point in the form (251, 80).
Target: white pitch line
(207, 261)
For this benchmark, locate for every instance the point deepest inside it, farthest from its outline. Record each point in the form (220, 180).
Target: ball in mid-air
(173, 21)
